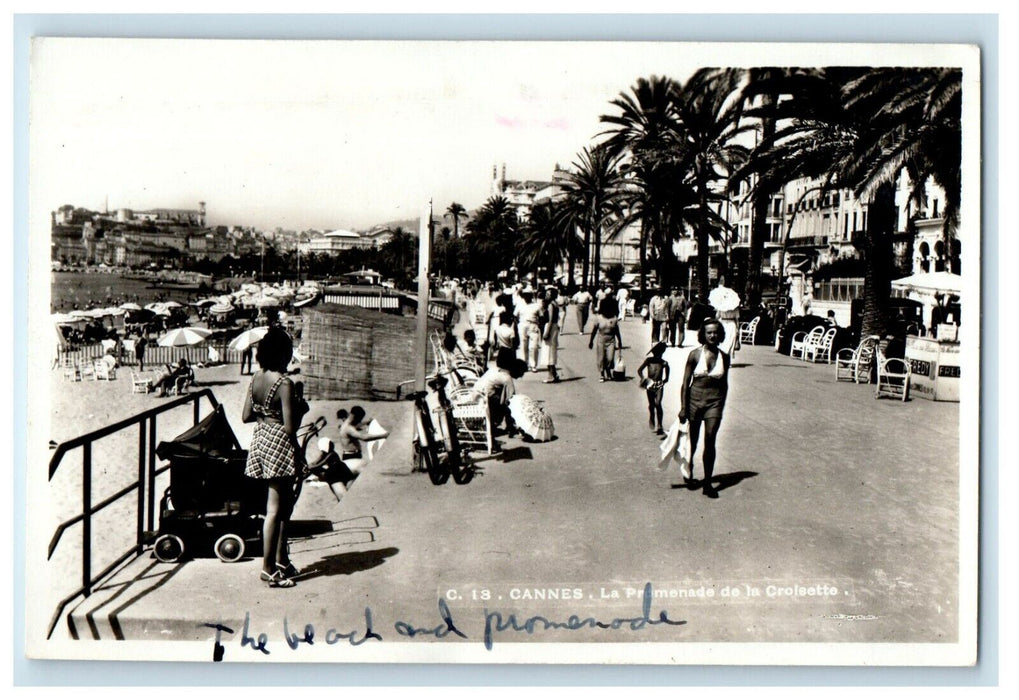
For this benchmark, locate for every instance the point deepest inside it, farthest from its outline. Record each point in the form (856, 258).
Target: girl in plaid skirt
(273, 404)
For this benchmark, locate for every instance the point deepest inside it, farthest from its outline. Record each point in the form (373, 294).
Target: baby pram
(210, 507)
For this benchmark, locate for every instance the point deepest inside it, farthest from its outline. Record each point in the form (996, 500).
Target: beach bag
(619, 367)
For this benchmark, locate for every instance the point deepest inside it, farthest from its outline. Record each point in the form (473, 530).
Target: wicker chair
(892, 377)
(801, 340)
(854, 365)
(748, 331)
(821, 350)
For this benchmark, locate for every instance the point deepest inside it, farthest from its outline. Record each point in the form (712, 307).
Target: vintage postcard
(699, 390)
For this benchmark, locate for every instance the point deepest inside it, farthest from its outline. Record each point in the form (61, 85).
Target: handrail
(144, 485)
(73, 443)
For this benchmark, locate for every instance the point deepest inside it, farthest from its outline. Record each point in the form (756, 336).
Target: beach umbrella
(724, 299)
(172, 305)
(931, 283)
(183, 337)
(221, 308)
(205, 302)
(304, 301)
(248, 338)
(267, 302)
(154, 306)
(531, 418)
(130, 306)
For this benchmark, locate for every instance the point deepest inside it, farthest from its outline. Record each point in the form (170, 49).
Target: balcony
(807, 242)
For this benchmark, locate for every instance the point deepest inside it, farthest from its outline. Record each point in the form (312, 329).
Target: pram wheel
(168, 548)
(229, 548)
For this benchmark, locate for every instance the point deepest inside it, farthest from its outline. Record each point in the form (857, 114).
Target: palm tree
(645, 131)
(709, 110)
(456, 211)
(860, 129)
(492, 236)
(593, 189)
(550, 237)
(760, 94)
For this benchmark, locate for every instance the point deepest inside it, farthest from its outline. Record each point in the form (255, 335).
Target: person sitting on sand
(330, 469)
(174, 377)
(352, 435)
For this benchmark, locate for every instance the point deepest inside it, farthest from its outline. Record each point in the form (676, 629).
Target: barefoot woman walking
(702, 394)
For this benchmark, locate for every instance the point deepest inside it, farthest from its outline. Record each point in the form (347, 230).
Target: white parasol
(267, 302)
(130, 306)
(248, 338)
(220, 308)
(183, 337)
(531, 418)
(931, 283)
(723, 299)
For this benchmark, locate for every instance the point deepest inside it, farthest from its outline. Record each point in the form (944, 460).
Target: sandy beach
(85, 406)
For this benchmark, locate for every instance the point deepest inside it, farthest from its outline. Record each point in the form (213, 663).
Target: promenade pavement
(837, 522)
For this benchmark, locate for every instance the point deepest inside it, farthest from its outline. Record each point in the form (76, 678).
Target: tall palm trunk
(701, 236)
(759, 224)
(877, 280)
(587, 256)
(643, 259)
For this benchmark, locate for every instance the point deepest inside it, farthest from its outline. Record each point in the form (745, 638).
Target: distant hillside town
(176, 238)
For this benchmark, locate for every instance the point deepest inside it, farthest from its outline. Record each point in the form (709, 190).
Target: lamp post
(424, 251)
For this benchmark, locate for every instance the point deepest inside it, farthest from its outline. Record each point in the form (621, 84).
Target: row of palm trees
(673, 152)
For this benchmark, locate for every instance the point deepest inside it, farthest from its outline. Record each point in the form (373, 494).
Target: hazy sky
(314, 134)
(334, 134)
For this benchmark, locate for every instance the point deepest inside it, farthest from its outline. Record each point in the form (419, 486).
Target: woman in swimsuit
(606, 341)
(273, 405)
(702, 395)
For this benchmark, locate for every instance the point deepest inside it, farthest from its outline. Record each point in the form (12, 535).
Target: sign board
(934, 368)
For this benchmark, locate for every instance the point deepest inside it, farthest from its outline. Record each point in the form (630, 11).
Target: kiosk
(934, 368)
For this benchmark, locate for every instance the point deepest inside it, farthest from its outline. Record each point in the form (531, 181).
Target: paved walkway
(837, 521)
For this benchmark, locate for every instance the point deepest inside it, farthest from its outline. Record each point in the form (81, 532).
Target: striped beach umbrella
(183, 337)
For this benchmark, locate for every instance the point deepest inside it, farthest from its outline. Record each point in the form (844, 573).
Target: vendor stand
(934, 361)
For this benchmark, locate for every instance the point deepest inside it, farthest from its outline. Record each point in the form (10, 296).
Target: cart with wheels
(211, 508)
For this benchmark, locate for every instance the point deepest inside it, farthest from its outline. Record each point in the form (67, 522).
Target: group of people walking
(520, 325)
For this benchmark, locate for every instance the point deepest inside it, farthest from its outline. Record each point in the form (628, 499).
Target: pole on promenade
(424, 250)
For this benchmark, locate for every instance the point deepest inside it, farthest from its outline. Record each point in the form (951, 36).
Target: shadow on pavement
(514, 454)
(724, 481)
(737, 365)
(347, 563)
(563, 380)
(217, 382)
(308, 528)
(721, 481)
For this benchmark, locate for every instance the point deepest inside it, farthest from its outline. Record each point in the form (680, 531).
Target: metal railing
(144, 486)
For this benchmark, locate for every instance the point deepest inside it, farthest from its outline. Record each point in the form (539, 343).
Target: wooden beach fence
(357, 353)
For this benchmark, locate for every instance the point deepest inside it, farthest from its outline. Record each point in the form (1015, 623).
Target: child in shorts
(654, 373)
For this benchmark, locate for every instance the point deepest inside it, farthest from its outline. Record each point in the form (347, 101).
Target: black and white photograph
(472, 352)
